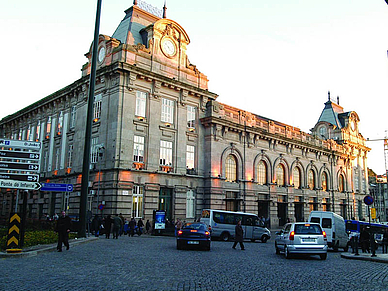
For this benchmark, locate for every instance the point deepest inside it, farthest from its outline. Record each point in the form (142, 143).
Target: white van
(222, 225)
(334, 226)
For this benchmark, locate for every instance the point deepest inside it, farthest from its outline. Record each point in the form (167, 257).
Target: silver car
(301, 238)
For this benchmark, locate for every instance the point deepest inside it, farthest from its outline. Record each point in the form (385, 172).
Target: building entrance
(263, 211)
(299, 211)
(165, 201)
(282, 213)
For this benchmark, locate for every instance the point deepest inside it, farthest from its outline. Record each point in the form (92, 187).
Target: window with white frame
(356, 180)
(190, 153)
(70, 156)
(97, 107)
(165, 153)
(73, 116)
(137, 201)
(167, 110)
(94, 150)
(138, 149)
(37, 132)
(190, 204)
(141, 103)
(60, 123)
(190, 117)
(56, 166)
(29, 133)
(48, 127)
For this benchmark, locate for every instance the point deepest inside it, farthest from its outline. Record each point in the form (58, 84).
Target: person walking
(108, 226)
(148, 226)
(140, 225)
(63, 228)
(132, 225)
(117, 224)
(239, 236)
(123, 223)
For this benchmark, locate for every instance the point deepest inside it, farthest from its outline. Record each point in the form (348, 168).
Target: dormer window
(323, 132)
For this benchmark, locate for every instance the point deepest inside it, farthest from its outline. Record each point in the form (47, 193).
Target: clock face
(168, 47)
(101, 54)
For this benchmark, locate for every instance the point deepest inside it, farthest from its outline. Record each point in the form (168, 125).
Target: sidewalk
(35, 250)
(381, 258)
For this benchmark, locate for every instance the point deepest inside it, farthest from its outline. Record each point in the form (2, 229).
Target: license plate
(308, 239)
(193, 242)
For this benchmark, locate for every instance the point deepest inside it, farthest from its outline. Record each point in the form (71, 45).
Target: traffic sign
(19, 166)
(368, 200)
(19, 155)
(14, 184)
(373, 213)
(20, 177)
(22, 144)
(56, 187)
(101, 207)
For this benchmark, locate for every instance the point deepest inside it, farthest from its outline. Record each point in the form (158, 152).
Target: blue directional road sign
(56, 187)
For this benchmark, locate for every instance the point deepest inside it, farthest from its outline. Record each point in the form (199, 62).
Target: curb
(364, 258)
(45, 248)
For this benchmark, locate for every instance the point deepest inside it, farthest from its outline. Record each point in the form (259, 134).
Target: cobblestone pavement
(154, 263)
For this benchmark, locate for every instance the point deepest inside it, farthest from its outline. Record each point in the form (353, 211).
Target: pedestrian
(148, 226)
(63, 228)
(96, 223)
(132, 225)
(107, 226)
(56, 216)
(364, 240)
(123, 223)
(178, 226)
(117, 224)
(385, 242)
(239, 236)
(140, 225)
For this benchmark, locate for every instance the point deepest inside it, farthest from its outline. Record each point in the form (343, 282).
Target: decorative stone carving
(156, 89)
(184, 94)
(131, 81)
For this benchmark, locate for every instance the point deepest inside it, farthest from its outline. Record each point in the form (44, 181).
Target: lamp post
(88, 131)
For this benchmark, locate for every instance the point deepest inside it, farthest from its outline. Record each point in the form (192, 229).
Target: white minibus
(222, 225)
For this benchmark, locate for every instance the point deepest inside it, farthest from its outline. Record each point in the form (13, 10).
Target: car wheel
(225, 236)
(323, 256)
(264, 238)
(277, 249)
(207, 248)
(287, 253)
(178, 246)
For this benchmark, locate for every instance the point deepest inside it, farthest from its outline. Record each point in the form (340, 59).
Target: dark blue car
(193, 235)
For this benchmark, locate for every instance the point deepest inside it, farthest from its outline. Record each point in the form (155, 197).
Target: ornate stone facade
(160, 140)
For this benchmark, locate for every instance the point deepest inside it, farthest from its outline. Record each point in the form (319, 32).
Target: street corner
(380, 258)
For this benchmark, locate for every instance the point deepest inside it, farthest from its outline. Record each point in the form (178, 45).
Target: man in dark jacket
(117, 223)
(63, 228)
(132, 226)
(239, 236)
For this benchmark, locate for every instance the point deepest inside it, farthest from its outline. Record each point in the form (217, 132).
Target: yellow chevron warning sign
(13, 232)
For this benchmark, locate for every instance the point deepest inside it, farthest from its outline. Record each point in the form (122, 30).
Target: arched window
(231, 168)
(296, 178)
(311, 180)
(261, 173)
(341, 183)
(324, 181)
(280, 175)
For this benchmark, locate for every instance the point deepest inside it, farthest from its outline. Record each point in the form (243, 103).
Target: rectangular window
(48, 127)
(167, 110)
(190, 152)
(138, 149)
(73, 116)
(70, 156)
(56, 166)
(94, 150)
(29, 133)
(190, 204)
(60, 123)
(190, 117)
(141, 102)
(165, 153)
(137, 201)
(37, 132)
(97, 107)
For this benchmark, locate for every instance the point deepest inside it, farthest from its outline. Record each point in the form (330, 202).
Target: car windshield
(197, 226)
(307, 229)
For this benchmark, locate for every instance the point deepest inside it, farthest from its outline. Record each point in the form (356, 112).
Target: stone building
(161, 140)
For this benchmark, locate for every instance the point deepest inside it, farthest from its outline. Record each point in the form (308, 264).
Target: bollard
(372, 245)
(356, 244)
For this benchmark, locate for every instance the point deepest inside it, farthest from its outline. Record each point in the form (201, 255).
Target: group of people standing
(118, 225)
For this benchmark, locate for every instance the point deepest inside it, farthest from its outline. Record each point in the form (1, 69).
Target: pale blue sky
(275, 58)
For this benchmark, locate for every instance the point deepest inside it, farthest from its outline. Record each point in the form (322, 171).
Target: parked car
(334, 226)
(193, 235)
(301, 238)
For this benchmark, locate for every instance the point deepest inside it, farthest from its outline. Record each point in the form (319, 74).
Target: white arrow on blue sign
(56, 187)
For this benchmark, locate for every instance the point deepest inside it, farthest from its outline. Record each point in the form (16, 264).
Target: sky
(274, 58)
